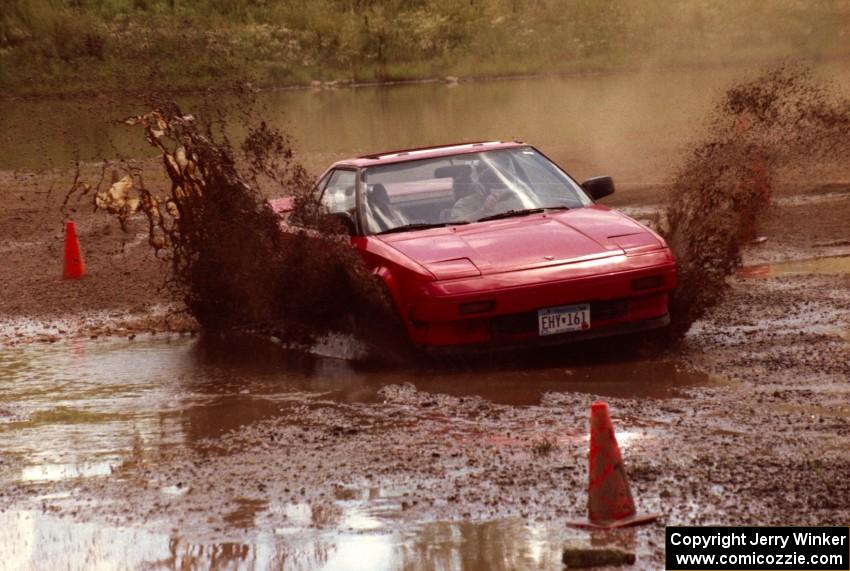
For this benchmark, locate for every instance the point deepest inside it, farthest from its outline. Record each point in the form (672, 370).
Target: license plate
(553, 320)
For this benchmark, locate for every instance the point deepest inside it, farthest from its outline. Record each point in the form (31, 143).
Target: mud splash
(230, 263)
(780, 126)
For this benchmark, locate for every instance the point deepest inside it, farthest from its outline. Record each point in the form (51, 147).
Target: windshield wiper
(523, 212)
(511, 214)
(421, 226)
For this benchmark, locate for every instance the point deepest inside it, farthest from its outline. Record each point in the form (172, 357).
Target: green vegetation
(50, 46)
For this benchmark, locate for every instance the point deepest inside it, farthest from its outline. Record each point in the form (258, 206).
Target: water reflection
(56, 472)
(830, 265)
(30, 540)
(84, 407)
(639, 117)
(826, 265)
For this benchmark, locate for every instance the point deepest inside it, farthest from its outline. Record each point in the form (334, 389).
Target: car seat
(382, 210)
(462, 184)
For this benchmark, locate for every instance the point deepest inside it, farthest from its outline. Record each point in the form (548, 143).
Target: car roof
(419, 153)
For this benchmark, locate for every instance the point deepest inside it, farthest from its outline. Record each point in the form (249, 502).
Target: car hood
(524, 242)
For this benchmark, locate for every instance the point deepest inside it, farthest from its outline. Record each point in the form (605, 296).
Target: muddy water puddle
(74, 408)
(833, 265)
(526, 386)
(30, 540)
(82, 410)
(77, 408)
(838, 410)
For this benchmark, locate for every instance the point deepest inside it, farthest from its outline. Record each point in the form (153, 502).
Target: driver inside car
(490, 195)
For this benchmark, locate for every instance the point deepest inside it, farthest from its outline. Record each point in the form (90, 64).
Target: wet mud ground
(129, 442)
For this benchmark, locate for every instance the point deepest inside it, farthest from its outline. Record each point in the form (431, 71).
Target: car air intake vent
(608, 309)
(514, 324)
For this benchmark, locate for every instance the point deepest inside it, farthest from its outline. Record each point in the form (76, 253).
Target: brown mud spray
(773, 129)
(230, 262)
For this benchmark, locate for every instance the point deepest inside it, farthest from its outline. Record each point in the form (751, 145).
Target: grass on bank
(68, 46)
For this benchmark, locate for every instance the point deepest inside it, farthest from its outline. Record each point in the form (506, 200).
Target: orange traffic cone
(609, 501)
(74, 266)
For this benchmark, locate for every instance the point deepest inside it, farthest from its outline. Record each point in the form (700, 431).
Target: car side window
(338, 195)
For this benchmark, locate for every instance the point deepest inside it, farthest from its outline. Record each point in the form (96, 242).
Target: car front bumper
(626, 328)
(436, 319)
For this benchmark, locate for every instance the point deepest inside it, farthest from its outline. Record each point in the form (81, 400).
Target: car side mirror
(599, 186)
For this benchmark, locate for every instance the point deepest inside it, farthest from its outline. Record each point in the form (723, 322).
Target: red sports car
(492, 244)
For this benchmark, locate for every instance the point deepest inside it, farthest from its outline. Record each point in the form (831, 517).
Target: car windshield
(465, 188)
